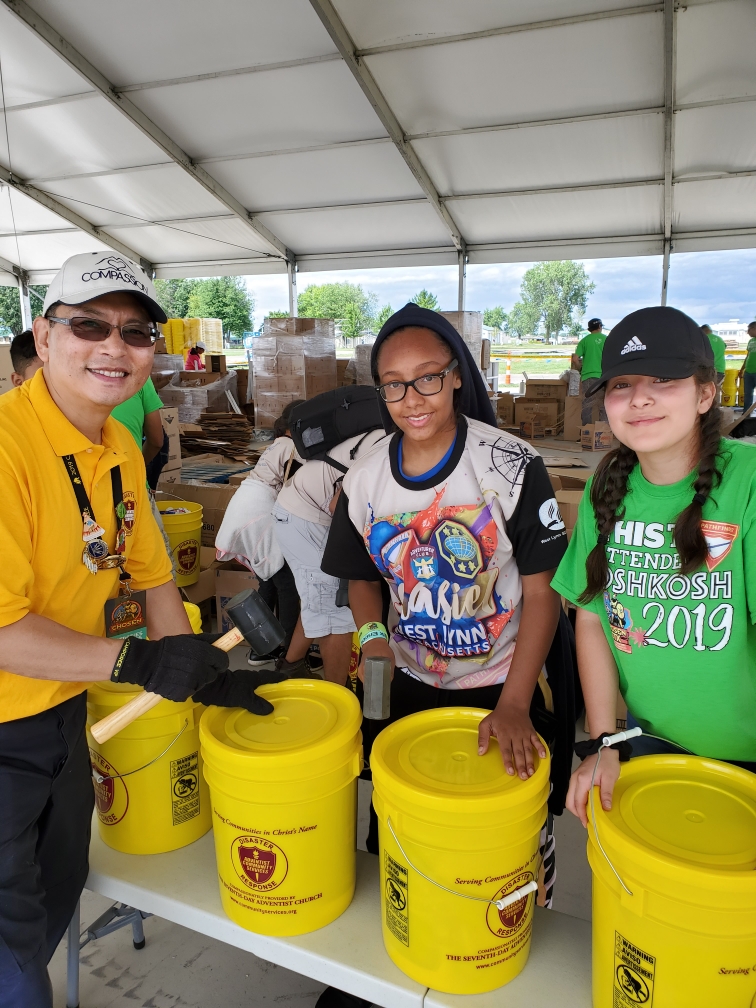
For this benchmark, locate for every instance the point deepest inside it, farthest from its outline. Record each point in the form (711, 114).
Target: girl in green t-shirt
(662, 562)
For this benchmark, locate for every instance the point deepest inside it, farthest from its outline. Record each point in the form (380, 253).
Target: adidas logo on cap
(631, 345)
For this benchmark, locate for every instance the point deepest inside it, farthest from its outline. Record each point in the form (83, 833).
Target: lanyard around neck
(97, 555)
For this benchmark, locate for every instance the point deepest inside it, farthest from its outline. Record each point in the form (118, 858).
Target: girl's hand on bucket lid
(580, 783)
(517, 739)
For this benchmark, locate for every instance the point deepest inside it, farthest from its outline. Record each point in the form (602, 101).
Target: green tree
(10, 310)
(424, 299)
(556, 292)
(226, 298)
(522, 320)
(331, 300)
(278, 314)
(348, 303)
(383, 316)
(494, 317)
(173, 296)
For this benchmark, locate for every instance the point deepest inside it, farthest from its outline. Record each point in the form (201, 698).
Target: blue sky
(709, 286)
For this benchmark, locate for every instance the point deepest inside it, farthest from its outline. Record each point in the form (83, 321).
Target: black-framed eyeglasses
(426, 385)
(136, 334)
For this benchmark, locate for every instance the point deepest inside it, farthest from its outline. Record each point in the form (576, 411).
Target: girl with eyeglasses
(458, 520)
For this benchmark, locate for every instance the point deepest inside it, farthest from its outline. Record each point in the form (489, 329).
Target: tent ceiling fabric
(347, 133)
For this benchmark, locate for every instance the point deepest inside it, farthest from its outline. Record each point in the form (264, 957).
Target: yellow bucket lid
(697, 811)
(431, 759)
(311, 720)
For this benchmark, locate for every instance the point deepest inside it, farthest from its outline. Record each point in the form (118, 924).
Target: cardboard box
(215, 363)
(169, 418)
(197, 378)
(569, 501)
(214, 498)
(573, 406)
(596, 437)
(505, 407)
(207, 557)
(6, 368)
(546, 388)
(571, 479)
(548, 412)
(531, 430)
(203, 588)
(227, 584)
(160, 345)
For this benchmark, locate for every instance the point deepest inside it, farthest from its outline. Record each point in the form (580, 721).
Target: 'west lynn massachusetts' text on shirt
(685, 646)
(451, 549)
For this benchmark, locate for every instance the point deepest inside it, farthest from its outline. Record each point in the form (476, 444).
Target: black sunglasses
(136, 334)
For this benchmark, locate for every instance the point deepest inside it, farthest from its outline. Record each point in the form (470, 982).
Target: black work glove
(174, 667)
(237, 689)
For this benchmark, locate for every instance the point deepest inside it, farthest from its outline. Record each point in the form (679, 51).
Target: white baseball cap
(92, 274)
(200, 345)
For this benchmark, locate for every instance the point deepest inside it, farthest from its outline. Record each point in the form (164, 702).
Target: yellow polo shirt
(41, 570)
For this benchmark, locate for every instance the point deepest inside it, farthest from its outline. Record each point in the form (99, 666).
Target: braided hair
(609, 489)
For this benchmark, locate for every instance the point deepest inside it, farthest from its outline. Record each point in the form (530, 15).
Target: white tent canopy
(251, 136)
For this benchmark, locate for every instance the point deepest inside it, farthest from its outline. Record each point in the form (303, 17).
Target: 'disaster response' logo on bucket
(504, 923)
(260, 864)
(187, 556)
(111, 796)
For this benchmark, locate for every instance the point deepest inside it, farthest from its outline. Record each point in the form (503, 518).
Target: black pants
(280, 594)
(46, 801)
(408, 696)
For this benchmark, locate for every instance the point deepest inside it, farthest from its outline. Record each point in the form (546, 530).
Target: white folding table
(182, 887)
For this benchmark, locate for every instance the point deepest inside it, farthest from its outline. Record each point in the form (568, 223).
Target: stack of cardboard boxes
(295, 358)
(540, 412)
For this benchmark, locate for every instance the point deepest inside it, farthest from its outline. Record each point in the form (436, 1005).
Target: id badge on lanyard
(125, 615)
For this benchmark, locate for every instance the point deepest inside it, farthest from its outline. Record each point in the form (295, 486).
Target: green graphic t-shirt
(132, 412)
(590, 349)
(685, 646)
(719, 346)
(750, 367)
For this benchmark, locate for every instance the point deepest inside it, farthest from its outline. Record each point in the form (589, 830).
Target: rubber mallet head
(254, 620)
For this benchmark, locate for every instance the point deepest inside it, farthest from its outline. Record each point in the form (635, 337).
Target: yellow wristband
(372, 631)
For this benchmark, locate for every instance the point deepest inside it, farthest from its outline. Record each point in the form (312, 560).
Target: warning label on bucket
(633, 974)
(185, 793)
(397, 900)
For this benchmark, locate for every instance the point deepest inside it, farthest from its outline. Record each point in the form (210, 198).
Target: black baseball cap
(662, 342)
(595, 323)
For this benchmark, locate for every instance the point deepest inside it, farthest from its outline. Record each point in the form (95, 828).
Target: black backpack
(326, 420)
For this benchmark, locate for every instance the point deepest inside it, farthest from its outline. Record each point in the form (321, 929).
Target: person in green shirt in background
(718, 347)
(141, 416)
(587, 360)
(749, 366)
(662, 562)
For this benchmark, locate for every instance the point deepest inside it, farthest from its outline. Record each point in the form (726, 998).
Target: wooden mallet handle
(119, 719)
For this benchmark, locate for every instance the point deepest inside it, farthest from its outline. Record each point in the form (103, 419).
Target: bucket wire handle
(99, 779)
(501, 904)
(606, 742)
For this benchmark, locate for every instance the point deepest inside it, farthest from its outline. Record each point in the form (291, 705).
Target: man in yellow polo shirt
(76, 529)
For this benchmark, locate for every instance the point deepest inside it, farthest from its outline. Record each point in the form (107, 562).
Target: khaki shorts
(303, 544)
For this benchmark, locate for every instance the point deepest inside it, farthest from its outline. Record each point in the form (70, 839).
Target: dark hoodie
(473, 398)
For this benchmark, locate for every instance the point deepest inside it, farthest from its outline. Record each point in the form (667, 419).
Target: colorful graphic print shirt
(685, 645)
(451, 549)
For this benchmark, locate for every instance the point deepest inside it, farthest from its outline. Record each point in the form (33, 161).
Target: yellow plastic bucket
(146, 807)
(182, 521)
(730, 387)
(450, 818)
(284, 798)
(681, 835)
